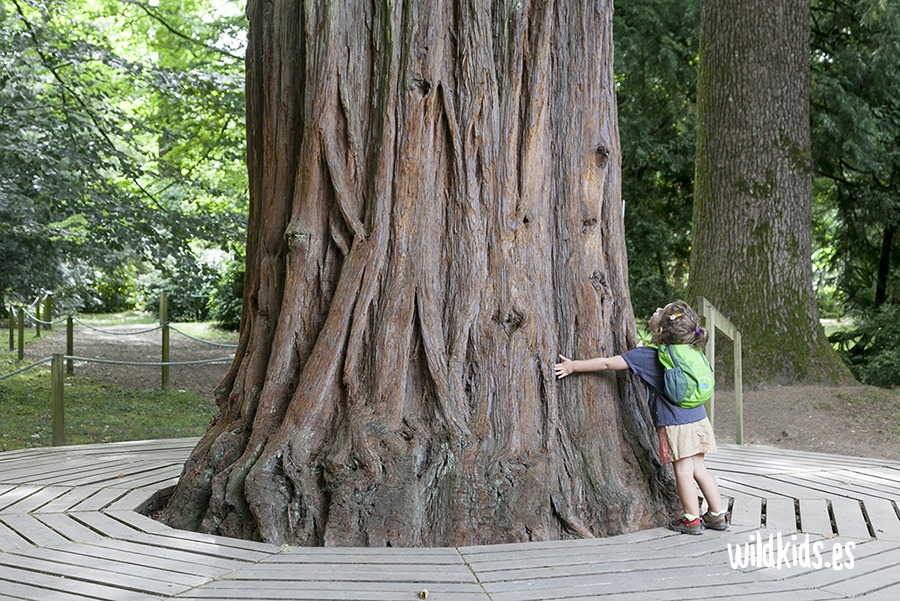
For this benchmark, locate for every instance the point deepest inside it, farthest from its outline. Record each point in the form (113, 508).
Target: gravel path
(124, 343)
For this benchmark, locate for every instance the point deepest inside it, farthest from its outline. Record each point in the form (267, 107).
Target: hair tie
(697, 331)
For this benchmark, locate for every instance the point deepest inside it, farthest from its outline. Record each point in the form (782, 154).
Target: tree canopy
(121, 137)
(122, 150)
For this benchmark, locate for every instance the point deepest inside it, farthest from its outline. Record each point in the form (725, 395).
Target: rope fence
(57, 383)
(113, 333)
(209, 342)
(26, 368)
(19, 316)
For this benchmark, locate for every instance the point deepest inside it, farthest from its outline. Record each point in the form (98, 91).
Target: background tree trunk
(435, 214)
(751, 252)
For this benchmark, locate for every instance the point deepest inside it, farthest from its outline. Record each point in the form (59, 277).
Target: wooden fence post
(716, 320)
(12, 328)
(705, 309)
(164, 322)
(48, 311)
(21, 333)
(70, 344)
(57, 409)
(738, 390)
(37, 322)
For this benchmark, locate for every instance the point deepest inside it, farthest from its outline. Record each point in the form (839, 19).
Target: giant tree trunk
(751, 252)
(435, 214)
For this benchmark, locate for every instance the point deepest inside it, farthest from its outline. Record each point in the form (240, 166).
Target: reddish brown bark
(435, 214)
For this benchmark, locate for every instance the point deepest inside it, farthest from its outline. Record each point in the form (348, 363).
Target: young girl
(685, 435)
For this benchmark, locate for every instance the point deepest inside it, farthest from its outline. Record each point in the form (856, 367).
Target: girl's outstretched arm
(568, 366)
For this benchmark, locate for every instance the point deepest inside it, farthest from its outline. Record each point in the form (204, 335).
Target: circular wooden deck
(71, 530)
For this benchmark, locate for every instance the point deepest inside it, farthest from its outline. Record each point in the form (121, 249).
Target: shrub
(226, 299)
(870, 346)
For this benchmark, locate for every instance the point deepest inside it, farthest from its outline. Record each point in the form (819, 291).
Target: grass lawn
(96, 411)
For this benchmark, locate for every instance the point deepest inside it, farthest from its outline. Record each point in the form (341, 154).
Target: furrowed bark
(435, 215)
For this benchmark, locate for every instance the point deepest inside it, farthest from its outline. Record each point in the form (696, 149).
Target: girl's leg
(686, 484)
(707, 483)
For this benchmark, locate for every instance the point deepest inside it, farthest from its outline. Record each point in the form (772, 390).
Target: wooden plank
(781, 515)
(800, 458)
(98, 500)
(828, 484)
(125, 558)
(781, 485)
(746, 511)
(92, 567)
(48, 470)
(693, 549)
(207, 545)
(308, 592)
(871, 561)
(36, 501)
(849, 518)
(10, 540)
(814, 517)
(141, 522)
(134, 500)
(151, 553)
(649, 582)
(374, 591)
(328, 555)
(14, 496)
(762, 591)
(71, 586)
(115, 473)
(103, 524)
(26, 591)
(262, 550)
(66, 501)
(883, 518)
(158, 479)
(396, 573)
(72, 530)
(526, 570)
(33, 530)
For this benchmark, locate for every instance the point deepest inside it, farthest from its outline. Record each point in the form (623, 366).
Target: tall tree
(435, 214)
(751, 252)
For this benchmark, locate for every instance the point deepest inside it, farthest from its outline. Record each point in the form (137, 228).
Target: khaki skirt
(686, 440)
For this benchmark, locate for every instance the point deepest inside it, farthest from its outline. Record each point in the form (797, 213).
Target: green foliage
(870, 346)
(188, 284)
(656, 52)
(121, 139)
(855, 133)
(226, 299)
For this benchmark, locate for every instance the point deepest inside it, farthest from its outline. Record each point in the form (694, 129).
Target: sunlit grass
(95, 411)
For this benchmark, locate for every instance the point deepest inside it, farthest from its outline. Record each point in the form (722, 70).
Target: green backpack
(688, 377)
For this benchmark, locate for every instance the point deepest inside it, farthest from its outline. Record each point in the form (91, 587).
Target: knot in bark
(511, 321)
(598, 280)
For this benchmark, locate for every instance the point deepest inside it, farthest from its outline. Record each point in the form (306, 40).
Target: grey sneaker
(686, 526)
(716, 523)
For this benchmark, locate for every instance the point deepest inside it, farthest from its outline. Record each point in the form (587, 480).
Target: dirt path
(125, 343)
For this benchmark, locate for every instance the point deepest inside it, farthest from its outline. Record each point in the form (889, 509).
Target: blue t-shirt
(645, 364)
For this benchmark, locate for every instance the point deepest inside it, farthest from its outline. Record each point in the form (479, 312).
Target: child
(685, 435)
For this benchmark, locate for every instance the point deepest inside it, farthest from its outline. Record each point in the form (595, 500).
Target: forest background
(122, 159)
